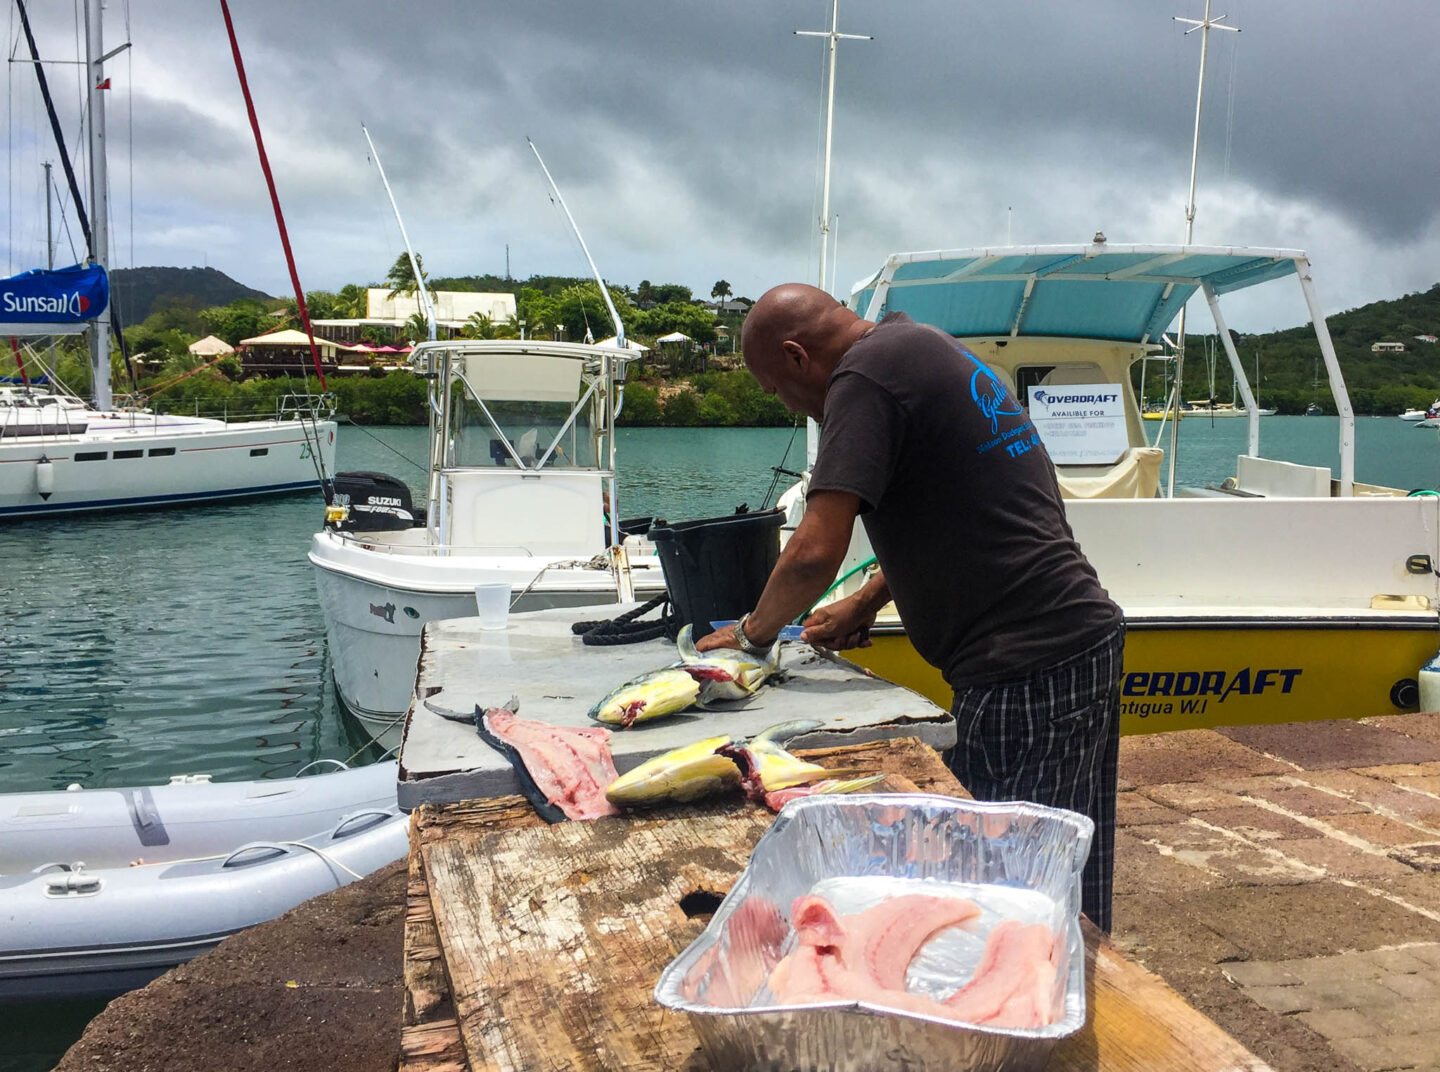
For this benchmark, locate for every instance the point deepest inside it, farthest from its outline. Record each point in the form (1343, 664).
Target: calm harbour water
(145, 645)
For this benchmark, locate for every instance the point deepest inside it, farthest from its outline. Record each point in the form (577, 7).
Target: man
(960, 501)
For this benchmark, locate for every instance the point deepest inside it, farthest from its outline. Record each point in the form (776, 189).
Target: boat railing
(295, 405)
(305, 406)
(450, 550)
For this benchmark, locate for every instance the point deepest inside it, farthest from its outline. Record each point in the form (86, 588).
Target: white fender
(45, 477)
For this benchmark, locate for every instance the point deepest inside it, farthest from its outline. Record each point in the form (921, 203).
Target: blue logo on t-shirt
(989, 394)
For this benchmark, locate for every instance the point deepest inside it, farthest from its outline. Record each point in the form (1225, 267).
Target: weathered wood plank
(429, 1034)
(433, 1047)
(554, 937)
(1136, 1022)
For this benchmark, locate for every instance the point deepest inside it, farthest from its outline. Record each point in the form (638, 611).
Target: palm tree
(721, 290)
(351, 301)
(478, 326)
(401, 276)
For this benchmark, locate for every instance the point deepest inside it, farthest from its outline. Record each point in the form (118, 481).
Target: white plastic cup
(492, 604)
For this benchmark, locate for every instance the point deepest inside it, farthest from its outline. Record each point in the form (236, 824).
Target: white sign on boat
(1080, 424)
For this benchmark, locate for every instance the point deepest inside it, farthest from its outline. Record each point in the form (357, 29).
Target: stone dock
(1285, 880)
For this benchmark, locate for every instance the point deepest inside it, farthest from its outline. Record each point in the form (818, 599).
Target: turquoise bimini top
(1122, 293)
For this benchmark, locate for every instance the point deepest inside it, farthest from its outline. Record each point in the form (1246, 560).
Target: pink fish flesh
(569, 767)
(1014, 982)
(731, 971)
(864, 956)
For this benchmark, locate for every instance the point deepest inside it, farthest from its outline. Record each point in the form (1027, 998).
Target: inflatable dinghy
(116, 886)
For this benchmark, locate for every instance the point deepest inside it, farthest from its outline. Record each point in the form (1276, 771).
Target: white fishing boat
(102, 889)
(60, 455)
(521, 491)
(1284, 592)
(1421, 414)
(521, 480)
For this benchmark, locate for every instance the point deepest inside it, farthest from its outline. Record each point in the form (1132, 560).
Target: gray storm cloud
(685, 135)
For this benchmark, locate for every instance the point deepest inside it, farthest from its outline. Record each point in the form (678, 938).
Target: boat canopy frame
(601, 386)
(1124, 293)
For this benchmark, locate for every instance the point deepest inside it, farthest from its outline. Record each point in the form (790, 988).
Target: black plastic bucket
(715, 569)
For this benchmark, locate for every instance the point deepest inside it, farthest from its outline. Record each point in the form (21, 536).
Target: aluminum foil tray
(1016, 860)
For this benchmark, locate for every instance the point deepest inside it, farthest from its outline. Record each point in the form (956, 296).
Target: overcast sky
(685, 136)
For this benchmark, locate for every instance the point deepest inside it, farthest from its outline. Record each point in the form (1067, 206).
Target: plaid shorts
(1052, 737)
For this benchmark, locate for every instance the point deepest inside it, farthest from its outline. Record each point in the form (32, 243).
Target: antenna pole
(414, 264)
(1204, 25)
(834, 36)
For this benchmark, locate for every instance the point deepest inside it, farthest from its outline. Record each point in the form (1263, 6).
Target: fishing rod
(414, 261)
(604, 290)
(621, 573)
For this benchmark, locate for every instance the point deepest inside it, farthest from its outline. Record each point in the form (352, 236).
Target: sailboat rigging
(61, 455)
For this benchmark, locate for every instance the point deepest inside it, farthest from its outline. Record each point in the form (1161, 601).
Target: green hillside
(1290, 361)
(137, 292)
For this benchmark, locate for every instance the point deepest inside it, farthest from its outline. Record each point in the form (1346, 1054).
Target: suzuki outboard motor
(376, 502)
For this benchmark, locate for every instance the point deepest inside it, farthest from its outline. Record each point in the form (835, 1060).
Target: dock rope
(626, 629)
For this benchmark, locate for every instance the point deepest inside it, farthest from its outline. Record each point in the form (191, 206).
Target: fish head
(680, 775)
(653, 695)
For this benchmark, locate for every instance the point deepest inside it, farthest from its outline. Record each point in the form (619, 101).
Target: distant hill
(1292, 372)
(136, 291)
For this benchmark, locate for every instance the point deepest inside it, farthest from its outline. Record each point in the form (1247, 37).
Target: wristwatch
(746, 644)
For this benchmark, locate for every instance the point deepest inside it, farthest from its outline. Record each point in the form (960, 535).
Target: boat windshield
(528, 428)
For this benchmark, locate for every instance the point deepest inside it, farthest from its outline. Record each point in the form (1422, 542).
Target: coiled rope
(626, 629)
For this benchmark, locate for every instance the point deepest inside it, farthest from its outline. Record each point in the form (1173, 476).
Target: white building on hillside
(453, 309)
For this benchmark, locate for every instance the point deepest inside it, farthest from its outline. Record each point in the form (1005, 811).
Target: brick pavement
(1286, 880)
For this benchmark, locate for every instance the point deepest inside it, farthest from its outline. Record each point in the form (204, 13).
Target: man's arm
(807, 566)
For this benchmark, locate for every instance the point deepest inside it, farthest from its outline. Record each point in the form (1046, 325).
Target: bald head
(793, 338)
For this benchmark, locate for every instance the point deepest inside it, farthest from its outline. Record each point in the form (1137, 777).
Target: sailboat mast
(834, 37)
(99, 213)
(49, 229)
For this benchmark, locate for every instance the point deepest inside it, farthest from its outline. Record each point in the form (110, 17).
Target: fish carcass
(563, 771)
(725, 673)
(653, 695)
(760, 766)
(772, 776)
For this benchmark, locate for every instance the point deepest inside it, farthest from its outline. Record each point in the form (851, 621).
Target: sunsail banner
(53, 302)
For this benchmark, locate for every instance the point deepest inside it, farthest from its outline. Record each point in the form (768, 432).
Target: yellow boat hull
(1229, 674)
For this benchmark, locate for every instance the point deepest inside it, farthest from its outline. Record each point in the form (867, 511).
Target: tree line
(691, 386)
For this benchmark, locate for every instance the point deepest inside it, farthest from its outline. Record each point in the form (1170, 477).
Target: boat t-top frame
(1097, 291)
(490, 370)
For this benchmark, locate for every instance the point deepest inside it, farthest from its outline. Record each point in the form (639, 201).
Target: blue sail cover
(53, 302)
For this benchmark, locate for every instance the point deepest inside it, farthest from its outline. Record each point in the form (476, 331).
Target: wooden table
(530, 947)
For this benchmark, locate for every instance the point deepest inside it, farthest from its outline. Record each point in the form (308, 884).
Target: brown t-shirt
(961, 504)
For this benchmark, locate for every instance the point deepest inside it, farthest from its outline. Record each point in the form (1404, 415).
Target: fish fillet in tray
(1015, 861)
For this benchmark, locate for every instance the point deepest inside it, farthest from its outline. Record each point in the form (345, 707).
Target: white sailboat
(101, 458)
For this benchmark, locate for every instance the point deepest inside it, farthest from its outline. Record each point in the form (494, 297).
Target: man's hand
(841, 625)
(723, 637)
